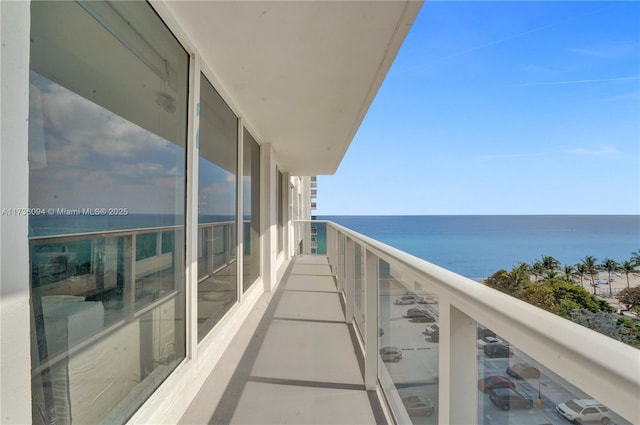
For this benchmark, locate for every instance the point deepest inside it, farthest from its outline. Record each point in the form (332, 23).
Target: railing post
(210, 233)
(349, 280)
(340, 263)
(458, 384)
(371, 321)
(329, 242)
(130, 273)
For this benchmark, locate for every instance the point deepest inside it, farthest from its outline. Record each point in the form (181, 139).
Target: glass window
(107, 155)
(217, 181)
(279, 210)
(251, 210)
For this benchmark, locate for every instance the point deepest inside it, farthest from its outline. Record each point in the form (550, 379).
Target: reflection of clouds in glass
(141, 169)
(97, 158)
(216, 189)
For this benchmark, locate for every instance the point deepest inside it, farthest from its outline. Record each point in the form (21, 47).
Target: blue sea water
(473, 246)
(478, 246)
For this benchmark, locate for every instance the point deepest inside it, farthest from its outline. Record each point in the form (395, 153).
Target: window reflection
(217, 234)
(107, 164)
(280, 209)
(251, 210)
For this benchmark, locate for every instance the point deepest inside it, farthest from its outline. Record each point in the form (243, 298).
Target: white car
(489, 340)
(431, 329)
(584, 411)
(407, 299)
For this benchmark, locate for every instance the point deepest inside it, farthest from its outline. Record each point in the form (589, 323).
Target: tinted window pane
(251, 210)
(107, 137)
(217, 240)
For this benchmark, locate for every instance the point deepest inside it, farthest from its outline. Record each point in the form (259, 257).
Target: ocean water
(478, 246)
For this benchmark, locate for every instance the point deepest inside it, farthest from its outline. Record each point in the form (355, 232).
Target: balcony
(314, 206)
(311, 351)
(299, 366)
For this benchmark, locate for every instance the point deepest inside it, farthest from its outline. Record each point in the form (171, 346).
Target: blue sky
(502, 108)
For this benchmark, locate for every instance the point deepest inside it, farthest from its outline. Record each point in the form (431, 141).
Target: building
(153, 193)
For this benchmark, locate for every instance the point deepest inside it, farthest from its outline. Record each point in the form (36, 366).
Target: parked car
(498, 350)
(434, 337)
(523, 371)
(406, 299)
(482, 332)
(431, 329)
(418, 406)
(425, 318)
(584, 411)
(391, 354)
(507, 398)
(415, 312)
(427, 299)
(493, 382)
(489, 340)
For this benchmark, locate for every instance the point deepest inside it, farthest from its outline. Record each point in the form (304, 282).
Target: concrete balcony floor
(293, 362)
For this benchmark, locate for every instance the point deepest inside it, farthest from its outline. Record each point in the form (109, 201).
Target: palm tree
(519, 276)
(581, 270)
(591, 269)
(524, 267)
(635, 257)
(549, 263)
(610, 266)
(569, 272)
(628, 267)
(537, 269)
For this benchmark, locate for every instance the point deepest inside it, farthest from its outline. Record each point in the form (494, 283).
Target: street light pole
(539, 400)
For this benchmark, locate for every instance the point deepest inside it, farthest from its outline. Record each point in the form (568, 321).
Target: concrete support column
(371, 321)
(15, 352)
(191, 222)
(268, 217)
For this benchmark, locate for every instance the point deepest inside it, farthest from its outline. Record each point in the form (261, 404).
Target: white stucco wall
(15, 361)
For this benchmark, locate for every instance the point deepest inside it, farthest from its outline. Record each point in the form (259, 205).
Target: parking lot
(417, 372)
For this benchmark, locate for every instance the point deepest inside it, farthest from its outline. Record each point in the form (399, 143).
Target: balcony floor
(299, 365)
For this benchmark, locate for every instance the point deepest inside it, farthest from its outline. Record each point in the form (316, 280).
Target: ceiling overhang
(302, 74)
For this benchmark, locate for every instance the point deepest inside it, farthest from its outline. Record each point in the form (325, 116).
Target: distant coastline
(476, 246)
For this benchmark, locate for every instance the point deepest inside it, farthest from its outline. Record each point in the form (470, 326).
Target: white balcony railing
(573, 362)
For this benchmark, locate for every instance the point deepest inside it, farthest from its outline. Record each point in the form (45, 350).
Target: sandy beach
(618, 281)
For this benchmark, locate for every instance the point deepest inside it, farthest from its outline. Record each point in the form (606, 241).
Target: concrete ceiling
(301, 73)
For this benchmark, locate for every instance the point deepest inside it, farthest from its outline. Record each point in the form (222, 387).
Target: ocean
(478, 246)
(473, 246)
